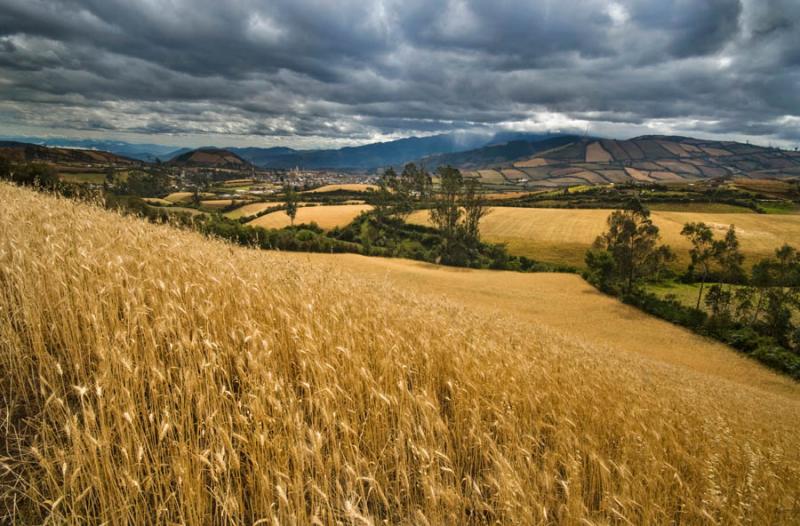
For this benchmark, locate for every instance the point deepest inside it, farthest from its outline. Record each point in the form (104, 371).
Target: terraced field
(564, 235)
(642, 159)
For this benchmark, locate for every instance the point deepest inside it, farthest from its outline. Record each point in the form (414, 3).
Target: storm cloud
(322, 72)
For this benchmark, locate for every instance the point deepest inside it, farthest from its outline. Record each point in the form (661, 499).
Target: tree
(291, 202)
(200, 182)
(396, 193)
(602, 268)
(760, 280)
(784, 293)
(718, 301)
(702, 251)
(446, 210)
(474, 210)
(383, 201)
(632, 241)
(5, 168)
(418, 180)
(729, 257)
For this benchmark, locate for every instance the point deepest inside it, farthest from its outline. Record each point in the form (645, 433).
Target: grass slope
(154, 376)
(563, 235)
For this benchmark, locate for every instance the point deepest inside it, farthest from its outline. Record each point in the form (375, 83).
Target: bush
(779, 358)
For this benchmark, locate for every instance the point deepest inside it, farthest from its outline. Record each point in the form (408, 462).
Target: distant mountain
(26, 152)
(647, 159)
(495, 154)
(263, 156)
(142, 152)
(367, 157)
(210, 157)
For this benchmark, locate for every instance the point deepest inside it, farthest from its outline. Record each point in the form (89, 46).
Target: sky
(312, 73)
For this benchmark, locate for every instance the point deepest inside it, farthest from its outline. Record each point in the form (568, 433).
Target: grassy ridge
(155, 376)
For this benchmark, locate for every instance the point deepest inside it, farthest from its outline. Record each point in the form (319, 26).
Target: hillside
(496, 154)
(165, 377)
(209, 158)
(564, 235)
(138, 151)
(26, 152)
(366, 157)
(651, 159)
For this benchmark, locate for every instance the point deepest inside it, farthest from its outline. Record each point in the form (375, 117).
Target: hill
(168, 377)
(367, 157)
(209, 158)
(138, 151)
(496, 154)
(26, 152)
(650, 159)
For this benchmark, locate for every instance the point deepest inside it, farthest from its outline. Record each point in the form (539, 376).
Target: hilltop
(209, 158)
(649, 159)
(26, 152)
(220, 384)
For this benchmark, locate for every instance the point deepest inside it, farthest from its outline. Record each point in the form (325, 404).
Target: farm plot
(563, 236)
(327, 217)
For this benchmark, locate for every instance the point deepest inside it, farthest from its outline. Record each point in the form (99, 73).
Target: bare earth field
(563, 235)
(327, 217)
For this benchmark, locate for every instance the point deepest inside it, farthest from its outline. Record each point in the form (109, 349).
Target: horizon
(51, 141)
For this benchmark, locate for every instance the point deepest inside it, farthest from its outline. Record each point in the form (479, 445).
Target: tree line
(455, 206)
(753, 311)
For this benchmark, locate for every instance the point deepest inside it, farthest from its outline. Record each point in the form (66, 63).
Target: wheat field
(560, 235)
(350, 187)
(327, 217)
(152, 376)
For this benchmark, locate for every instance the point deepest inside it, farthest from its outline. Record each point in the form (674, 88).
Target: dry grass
(154, 377)
(216, 204)
(250, 209)
(184, 197)
(354, 187)
(563, 235)
(327, 217)
(254, 208)
(157, 201)
(567, 303)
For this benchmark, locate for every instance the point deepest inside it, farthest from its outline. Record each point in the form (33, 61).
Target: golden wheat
(563, 235)
(327, 217)
(155, 377)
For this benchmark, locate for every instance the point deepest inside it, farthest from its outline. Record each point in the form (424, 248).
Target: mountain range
(367, 157)
(522, 161)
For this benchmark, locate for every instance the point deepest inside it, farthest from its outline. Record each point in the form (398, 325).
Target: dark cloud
(359, 70)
